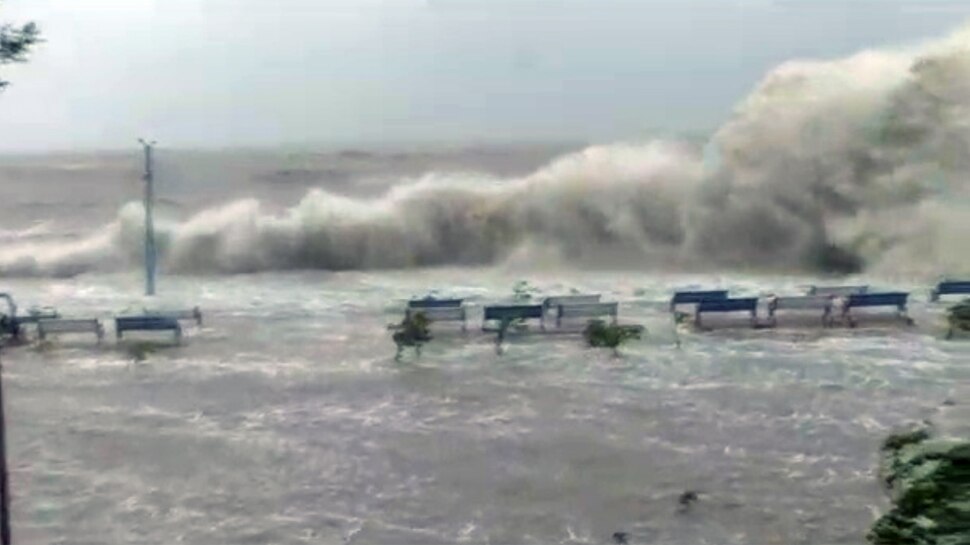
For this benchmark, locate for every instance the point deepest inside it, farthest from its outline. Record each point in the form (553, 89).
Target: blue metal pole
(150, 253)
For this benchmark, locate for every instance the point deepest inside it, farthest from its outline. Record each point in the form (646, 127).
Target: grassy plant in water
(413, 332)
(958, 318)
(599, 334)
(139, 351)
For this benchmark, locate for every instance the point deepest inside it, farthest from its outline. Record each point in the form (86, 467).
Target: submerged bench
(837, 291)
(874, 300)
(506, 313)
(192, 314)
(434, 303)
(695, 297)
(36, 316)
(587, 310)
(46, 327)
(821, 303)
(439, 310)
(552, 302)
(747, 304)
(148, 323)
(950, 287)
(441, 314)
(10, 321)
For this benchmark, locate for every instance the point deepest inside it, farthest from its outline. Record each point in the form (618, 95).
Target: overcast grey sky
(269, 72)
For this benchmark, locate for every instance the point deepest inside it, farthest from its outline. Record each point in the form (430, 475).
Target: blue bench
(695, 297)
(815, 303)
(57, 326)
(587, 310)
(504, 313)
(559, 300)
(747, 304)
(10, 322)
(950, 287)
(148, 323)
(874, 300)
(434, 303)
(441, 314)
(38, 315)
(837, 291)
(194, 314)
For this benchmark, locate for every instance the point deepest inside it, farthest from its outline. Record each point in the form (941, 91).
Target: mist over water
(838, 166)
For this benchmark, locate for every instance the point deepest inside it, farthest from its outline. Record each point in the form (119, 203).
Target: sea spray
(832, 165)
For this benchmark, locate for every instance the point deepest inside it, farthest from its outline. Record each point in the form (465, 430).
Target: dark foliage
(16, 42)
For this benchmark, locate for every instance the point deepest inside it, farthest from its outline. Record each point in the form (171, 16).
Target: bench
(507, 313)
(46, 327)
(36, 316)
(807, 302)
(435, 303)
(148, 323)
(587, 310)
(192, 314)
(552, 302)
(950, 287)
(10, 322)
(695, 297)
(441, 314)
(747, 304)
(870, 300)
(837, 291)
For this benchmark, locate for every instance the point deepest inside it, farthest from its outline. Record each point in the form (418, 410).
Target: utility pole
(4, 479)
(150, 252)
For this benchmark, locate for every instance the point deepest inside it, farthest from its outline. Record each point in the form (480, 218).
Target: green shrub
(413, 332)
(958, 318)
(929, 482)
(599, 334)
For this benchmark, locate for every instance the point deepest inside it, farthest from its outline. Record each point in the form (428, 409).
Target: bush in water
(958, 318)
(599, 334)
(413, 331)
(929, 481)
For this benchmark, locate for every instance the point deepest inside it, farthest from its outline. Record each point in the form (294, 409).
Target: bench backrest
(692, 297)
(950, 287)
(891, 299)
(553, 302)
(69, 326)
(191, 314)
(749, 304)
(147, 323)
(513, 312)
(837, 291)
(36, 316)
(448, 314)
(806, 302)
(588, 310)
(435, 303)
